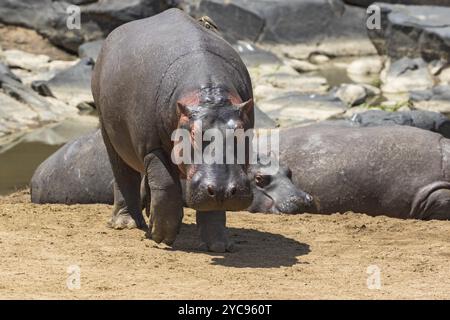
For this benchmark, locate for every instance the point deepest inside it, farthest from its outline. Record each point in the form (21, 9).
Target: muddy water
(18, 164)
(19, 160)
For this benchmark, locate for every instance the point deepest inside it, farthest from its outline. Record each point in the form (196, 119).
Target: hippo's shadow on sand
(255, 249)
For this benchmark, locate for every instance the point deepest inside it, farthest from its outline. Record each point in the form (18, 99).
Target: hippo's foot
(213, 232)
(165, 217)
(123, 220)
(164, 229)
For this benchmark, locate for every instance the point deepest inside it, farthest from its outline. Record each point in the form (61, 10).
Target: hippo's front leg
(213, 232)
(166, 204)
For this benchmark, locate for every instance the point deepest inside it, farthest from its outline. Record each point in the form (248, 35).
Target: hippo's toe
(218, 246)
(222, 246)
(123, 221)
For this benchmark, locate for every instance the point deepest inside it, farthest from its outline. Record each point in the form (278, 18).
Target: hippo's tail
(432, 202)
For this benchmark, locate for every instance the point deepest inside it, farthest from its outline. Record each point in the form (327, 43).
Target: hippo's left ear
(246, 108)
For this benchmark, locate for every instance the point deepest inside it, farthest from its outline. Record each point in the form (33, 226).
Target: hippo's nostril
(211, 190)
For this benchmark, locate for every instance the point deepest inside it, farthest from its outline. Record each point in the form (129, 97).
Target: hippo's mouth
(268, 205)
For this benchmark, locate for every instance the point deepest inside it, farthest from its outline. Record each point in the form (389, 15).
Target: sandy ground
(279, 256)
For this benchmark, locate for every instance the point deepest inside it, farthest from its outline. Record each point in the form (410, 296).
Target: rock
(436, 99)
(90, 49)
(427, 120)
(337, 47)
(301, 65)
(235, 20)
(295, 108)
(254, 56)
(73, 85)
(110, 14)
(25, 60)
(46, 72)
(282, 21)
(367, 67)
(366, 3)
(436, 66)
(6, 72)
(22, 110)
(317, 58)
(413, 31)
(406, 75)
(266, 91)
(51, 134)
(302, 83)
(365, 70)
(444, 76)
(352, 94)
(49, 18)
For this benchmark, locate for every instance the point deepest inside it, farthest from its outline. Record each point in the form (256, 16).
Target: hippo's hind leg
(127, 212)
(212, 231)
(432, 202)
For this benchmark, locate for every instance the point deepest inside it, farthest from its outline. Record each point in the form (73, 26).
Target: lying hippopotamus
(152, 77)
(79, 172)
(398, 171)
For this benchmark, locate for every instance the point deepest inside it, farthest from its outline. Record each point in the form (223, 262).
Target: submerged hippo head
(275, 192)
(215, 179)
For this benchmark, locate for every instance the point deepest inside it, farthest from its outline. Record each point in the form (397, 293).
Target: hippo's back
(374, 170)
(144, 50)
(79, 172)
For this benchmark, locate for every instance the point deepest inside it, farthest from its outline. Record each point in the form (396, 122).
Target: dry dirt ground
(279, 257)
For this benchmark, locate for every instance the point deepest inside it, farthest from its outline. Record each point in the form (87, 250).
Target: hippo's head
(213, 180)
(275, 193)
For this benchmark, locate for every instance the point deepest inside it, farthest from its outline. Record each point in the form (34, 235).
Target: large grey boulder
(73, 85)
(413, 31)
(23, 110)
(281, 21)
(49, 18)
(427, 120)
(406, 75)
(90, 49)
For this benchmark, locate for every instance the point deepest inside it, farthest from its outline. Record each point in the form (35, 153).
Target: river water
(19, 159)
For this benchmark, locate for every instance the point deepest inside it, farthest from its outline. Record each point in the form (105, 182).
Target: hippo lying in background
(397, 171)
(79, 172)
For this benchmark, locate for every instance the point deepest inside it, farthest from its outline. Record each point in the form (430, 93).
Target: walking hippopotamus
(398, 171)
(154, 76)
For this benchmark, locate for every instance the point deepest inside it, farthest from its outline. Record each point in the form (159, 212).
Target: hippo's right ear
(183, 110)
(246, 108)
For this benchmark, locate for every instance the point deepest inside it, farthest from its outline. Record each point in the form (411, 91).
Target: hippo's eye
(262, 180)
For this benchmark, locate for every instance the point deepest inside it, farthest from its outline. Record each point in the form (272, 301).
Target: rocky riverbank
(309, 60)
